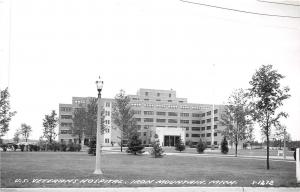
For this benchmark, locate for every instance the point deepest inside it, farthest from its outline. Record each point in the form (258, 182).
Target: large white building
(157, 112)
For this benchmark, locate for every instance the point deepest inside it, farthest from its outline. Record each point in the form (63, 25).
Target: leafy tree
(179, 146)
(17, 136)
(238, 125)
(267, 96)
(224, 146)
(5, 114)
(123, 116)
(25, 131)
(201, 146)
(50, 122)
(157, 150)
(85, 120)
(135, 145)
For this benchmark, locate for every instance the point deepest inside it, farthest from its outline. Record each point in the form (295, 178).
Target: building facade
(157, 112)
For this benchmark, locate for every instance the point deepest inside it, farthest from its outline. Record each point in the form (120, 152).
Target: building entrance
(170, 140)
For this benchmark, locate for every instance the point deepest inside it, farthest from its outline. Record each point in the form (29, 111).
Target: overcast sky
(51, 50)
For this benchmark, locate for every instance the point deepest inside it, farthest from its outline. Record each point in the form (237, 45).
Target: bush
(224, 146)
(4, 147)
(179, 146)
(156, 151)
(135, 145)
(22, 147)
(92, 147)
(62, 147)
(201, 146)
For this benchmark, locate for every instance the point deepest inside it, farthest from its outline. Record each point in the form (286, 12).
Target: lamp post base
(98, 172)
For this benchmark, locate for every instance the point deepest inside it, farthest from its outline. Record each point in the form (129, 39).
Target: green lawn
(17, 166)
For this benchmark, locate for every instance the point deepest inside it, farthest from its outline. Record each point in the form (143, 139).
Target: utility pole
(284, 143)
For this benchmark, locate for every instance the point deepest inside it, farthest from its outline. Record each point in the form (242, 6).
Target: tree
(179, 145)
(85, 121)
(5, 114)
(157, 150)
(201, 146)
(25, 131)
(123, 116)
(238, 125)
(267, 96)
(50, 122)
(17, 136)
(224, 146)
(135, 145)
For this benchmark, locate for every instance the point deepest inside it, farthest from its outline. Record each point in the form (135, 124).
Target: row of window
(184, 121)
(157, 94)
(175, 107)
(201, 128)
(201, 135)
(162, 113)
(107, 113)
(66, 124)
(66, 109)
(70, 131)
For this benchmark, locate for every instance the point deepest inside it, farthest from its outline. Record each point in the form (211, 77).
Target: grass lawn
(128, 170)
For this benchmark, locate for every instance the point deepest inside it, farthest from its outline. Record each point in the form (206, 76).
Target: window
(67, 109)
(184, 107)
(208, 127)
(208, 142)
(138, 127)
(147, 126)
(196, 115)
(148, 119)
(66, 116)
(138, 119)
(149, 105)
(203, 122)
(215, 134)
(203, 135)
(160, 113)
(215, 142)
(195, 135)
(186, 135)
(144, 142)
(208, 134)
(107, 113)
(107, 104)
(184, 114)
(215, 126)
(146, 93)
(106, 140)
(208, 113)
(65, 131)
(170, 94)
(135, 104)
(195, 122)
(215, 111)
(66, 124)
(208, 120)
(184, 121)
(170, 101)
(107, 122)
(195, 128)
(187, 128)
(158, 100)
(202, 128)
(172, 120)
(203, 115)
(137, 112)
(107, 130)
(148, 113)
(160, 120)
(146, 99)
(215, 118)
(145, 133)
(158, 94)
(172, 114)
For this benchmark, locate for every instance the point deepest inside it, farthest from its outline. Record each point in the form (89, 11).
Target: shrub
(92, 147)
(62, 147)
(22, 147)
(4, 147)
(179, 146)
(201, 146)
(156, 151)
(135, 145)
(224, 146)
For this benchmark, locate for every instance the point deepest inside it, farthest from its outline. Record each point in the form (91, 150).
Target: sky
(52, 50)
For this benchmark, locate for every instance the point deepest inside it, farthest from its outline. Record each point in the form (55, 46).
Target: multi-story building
(157, 112)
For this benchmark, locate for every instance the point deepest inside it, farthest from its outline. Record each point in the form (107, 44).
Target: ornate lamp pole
(99, 84)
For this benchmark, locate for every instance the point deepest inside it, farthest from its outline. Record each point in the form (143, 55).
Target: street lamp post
(98, 171)
(284, 144)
